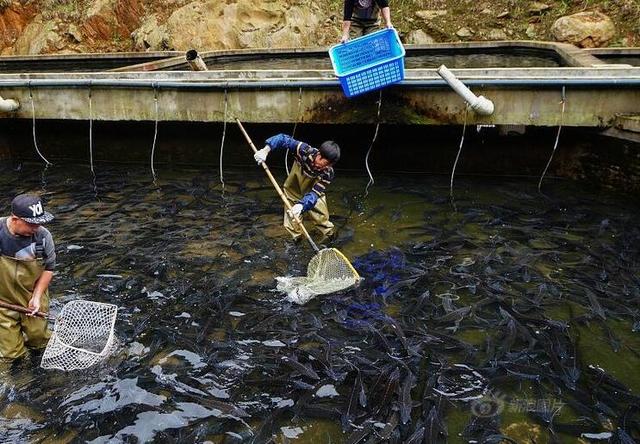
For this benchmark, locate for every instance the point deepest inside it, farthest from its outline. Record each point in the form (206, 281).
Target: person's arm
(275, 143)
(49, 262)
(310, 199)
(282, 141)
(39, 289)
(385, 11)
(346, 19)
(386, 15)
(346, 26)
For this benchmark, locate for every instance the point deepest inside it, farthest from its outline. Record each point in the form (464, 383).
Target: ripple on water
(490, 294)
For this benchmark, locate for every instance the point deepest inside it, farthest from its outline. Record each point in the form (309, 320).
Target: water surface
(506, 313)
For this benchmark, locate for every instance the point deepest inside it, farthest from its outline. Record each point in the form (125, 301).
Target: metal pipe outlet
(195, 61)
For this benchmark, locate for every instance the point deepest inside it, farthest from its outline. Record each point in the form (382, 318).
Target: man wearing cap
(27, 262)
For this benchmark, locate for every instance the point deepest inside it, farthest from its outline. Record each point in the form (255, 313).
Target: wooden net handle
(277, 187)
(25, 310)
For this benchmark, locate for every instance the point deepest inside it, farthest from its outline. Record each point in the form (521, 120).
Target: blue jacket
(304, 155)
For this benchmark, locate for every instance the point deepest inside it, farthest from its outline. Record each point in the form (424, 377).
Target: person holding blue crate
(305, 187)
(362, 17)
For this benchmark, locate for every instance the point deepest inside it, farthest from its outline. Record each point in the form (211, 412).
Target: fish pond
(505, 315)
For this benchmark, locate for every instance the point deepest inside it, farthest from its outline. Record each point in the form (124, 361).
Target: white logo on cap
(36, 209)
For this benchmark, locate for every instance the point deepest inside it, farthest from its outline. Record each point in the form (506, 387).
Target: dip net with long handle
(328, 271)
(82, 336)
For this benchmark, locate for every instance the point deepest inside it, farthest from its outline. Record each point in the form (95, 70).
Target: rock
(537, 8)
(209, 25)
(431, 14)
(74, 34)
(486, 11)
(38, 37)
(198, 25)
(503, 14)
(464, 33)
(299, 26)
(111, 19)
(531, 31)
(13, 20)
(150, 36)
(419, 37)
(497, 34)
(585, 29)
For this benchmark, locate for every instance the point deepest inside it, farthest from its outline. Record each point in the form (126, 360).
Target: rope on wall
(293, 133)
(33, 114)
(563, 101)
(455, 164)
(91, 134)
(155, 132)
(224, 132)
(375, 136)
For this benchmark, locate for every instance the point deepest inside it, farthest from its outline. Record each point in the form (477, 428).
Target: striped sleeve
(324, 180)
(310, 199)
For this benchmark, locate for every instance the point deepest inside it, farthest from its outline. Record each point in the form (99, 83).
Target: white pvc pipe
(8, 105)
(479, 104)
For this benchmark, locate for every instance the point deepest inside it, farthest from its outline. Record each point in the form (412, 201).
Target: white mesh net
(82, 336)
(328, 271)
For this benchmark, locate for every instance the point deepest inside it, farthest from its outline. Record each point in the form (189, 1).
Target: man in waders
(26, 268)
(311, 173)
(361, 17)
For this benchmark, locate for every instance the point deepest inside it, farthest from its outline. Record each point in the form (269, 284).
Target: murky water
(513, 314)
(450, 59)
(633, 60)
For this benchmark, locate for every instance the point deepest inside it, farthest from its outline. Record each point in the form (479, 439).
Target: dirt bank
(77, 26)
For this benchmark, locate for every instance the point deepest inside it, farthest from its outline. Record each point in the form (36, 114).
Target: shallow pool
(503, 313)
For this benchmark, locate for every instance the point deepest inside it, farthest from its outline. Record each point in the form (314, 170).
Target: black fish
(391, 426)
(434, 427)
(497, 439)
(621, 437)
(352, 403)
(596, 308)
(301, 368)
(360, 435)
(417, 436)
(406, 404)
(383, 402)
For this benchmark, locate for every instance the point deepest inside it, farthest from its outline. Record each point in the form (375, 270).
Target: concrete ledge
(595, 96)
(565, 54)
(628, 122)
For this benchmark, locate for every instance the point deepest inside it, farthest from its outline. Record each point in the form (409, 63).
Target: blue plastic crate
(369, 62)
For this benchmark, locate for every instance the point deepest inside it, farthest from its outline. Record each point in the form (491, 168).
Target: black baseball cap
(29, 208)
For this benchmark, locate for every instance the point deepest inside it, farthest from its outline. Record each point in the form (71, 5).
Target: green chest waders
(17, 330)
(364, 25)
(296, 186)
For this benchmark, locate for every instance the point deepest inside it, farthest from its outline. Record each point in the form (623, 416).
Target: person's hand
(34, 304)
(344, 38)
(389, 25)
(261, 155)
(296, 211)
